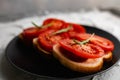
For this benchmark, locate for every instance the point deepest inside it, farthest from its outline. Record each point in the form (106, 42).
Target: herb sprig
(43, 26)
(84, 41)
(63, 30)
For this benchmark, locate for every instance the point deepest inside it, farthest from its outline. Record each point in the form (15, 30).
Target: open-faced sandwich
(30, 33)
(69, 44)
(85, 56)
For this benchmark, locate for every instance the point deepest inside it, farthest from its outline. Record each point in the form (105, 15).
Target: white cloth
(101, 19)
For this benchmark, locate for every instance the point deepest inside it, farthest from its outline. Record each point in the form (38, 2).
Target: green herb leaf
(44, 26)
(85, 41)
(36, 25)
(62, 30)
(47, 25)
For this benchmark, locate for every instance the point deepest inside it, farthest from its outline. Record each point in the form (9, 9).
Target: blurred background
(15, 9)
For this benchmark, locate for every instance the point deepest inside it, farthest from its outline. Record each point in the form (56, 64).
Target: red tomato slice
(47, 40)
(33, 32)
(84, 51)
(76, 28)
(56, 24)
(30, 33)
(97, 40)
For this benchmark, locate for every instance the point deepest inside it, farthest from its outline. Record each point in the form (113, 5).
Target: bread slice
(90, 65)
(39, 48)
(25, 41)
(22, 39)
(20, 36)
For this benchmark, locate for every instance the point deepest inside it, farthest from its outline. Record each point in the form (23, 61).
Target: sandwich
(80, 63)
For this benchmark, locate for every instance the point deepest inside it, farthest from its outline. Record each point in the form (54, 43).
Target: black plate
(30, 61)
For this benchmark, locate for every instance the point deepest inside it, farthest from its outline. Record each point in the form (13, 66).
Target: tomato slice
(56, 24)
(47, 40)
(33, 32)
(97, 40)
(84, 51)
(76, 28)
(30, 33)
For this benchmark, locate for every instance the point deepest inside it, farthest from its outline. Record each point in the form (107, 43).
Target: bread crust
(90, 65)
(37, 46)
(20, 36)
(26, 42)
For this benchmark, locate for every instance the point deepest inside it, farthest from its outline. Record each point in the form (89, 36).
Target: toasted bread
(90, 65)
(39, 48)
(24, 40)
(20, 36)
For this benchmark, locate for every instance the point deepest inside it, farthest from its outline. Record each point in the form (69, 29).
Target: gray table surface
(16, 24)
